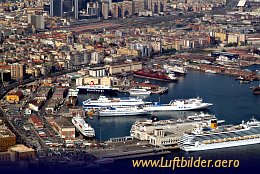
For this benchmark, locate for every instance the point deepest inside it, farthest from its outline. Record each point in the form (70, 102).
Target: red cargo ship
(156, 75)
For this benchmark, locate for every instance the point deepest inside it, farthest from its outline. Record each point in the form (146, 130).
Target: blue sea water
(232, 102)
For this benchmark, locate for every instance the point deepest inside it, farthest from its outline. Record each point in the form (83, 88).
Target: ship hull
(97, 90)
(112, 104)
(221, 145)
(86, 135)
(156, 78)
(140, 93)
(176, 108)
(113, 114)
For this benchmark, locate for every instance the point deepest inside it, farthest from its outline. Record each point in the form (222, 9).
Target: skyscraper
(138, 5)
(37, 21)
(17, 71)
(105, 9)
(76, 9)
(114, 10)
(56, 8)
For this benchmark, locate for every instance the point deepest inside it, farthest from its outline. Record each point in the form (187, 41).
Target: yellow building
(124, 67)
(7, 139)
(233, 38)
(89, 48)
(222, 36)
(14, 96)
(126, 51)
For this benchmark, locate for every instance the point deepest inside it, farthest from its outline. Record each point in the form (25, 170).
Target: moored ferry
(180, 105)
(104, 102)
(124, 111)
(84, 128)
(240, 135)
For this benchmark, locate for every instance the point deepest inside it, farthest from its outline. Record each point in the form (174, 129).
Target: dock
(129, 149)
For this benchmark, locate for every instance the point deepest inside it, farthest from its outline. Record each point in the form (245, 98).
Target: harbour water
(232, 102)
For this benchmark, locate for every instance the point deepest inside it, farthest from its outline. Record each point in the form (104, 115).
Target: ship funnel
(214, 124)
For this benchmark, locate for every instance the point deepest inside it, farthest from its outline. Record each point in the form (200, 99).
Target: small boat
(105, 161)
(210, 71)
(256, 89)
(175, 69)
(139, 91)
(240, 78)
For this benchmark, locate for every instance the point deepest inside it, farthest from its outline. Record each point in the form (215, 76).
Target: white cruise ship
(123, 111)
(139, 91)
(240, 135)
(180, 105)
(85, 129)
(104, 102)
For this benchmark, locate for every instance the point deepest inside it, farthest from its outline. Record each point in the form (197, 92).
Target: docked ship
(175, 69)
(104, 102)
(123, 111)
(233, 136)
(179, 105)
(96, 89)
(156, 75)
(84, 128)
(139, 91)
(171, 130)
(256, 89)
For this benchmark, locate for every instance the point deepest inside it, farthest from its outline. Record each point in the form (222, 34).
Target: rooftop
(21, 148)
(6, 133)
(64, 123)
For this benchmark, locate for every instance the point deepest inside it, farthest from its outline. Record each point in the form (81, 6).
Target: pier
(129, 149)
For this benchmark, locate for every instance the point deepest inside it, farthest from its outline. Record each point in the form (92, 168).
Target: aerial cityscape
(90, 85)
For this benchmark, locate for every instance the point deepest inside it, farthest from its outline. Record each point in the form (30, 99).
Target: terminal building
(7, 139)
(168, 132)
(64, 128)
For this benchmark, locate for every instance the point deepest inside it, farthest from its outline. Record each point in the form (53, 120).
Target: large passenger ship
(123, 111)
(240, 135)
(180, 105)
(104, 102)
(84, 128)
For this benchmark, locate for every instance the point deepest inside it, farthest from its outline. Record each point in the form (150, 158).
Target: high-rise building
(138, 5)
(114, 10)
(76, 9)
(17, 71)
(66, 8)
(56, 8)
(105, 9)
(37, 21)
(126, 8)
(93, 9)
(155, 6)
